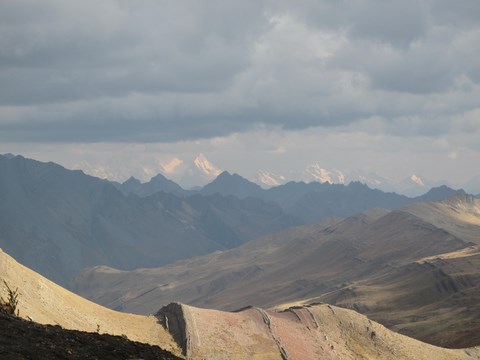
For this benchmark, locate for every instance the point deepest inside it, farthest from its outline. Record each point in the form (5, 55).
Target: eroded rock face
(173, 320)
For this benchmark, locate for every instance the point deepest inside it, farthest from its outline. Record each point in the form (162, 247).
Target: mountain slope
(47, 303)
(312, 263)
(262, 273)
(59, 221)
(426, 299)
(308, 332)
(459, 215)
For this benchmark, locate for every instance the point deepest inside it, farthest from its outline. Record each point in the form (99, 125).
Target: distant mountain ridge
(58, 221)
(313, 201)
(307, 202)
(156, 184)
(227, 183)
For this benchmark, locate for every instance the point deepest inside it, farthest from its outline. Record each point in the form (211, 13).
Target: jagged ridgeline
(59, 221)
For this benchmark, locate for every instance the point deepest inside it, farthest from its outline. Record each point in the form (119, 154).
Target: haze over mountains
(413, 271)
(200, 171)
(306, 201)
(59, 221)
(412, 264)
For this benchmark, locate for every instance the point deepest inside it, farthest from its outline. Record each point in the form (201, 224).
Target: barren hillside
(377, 253)
(45, 302)
(307, 332)
(310, 332)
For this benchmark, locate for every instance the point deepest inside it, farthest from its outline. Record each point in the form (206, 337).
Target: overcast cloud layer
(184, 73)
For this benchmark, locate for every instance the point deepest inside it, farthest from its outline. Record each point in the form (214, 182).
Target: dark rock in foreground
(20, 339)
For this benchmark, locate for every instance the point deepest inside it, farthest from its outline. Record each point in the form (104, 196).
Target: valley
(296, 271)
(394, 266)
(239, 180)
(183, 331)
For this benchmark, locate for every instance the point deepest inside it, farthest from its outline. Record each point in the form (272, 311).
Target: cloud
(162, 71)
(379, 155)
(396, 22)
(114, 48)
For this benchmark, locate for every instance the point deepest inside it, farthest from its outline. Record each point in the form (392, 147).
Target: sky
(272, 90)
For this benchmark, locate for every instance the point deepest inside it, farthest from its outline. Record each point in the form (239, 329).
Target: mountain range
(307, 202)
(59, 221)
(233, 270)
(415, 270)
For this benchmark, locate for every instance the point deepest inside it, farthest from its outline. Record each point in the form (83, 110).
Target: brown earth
(436, 299)
(376, 263)
(310, 332)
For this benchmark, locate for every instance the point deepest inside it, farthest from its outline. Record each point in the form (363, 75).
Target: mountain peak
(226, 174)
(417, 180)
(159, 178)
(9, 156)
(132, 181)
(206, 167)
(324, 175)
(439, 193)
(156, 184)
(232, 184)
(270, 179)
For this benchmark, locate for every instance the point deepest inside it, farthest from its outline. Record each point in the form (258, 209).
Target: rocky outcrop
(173, 320)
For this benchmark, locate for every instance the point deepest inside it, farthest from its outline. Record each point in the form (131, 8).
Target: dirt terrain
(445, 287)
(43, 301)
(306, 332)
(414, 270)
(318, 331)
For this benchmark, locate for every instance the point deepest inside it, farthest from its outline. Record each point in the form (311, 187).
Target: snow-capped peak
(372, 181)
(417, 180)
(325, 176)
(206, 167)
(97, 170)
(269, 179)
(171, 166)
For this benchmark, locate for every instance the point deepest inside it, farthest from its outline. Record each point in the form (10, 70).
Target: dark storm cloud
(114, 70)
(398, 22)
(108, 48)
(459, 14)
